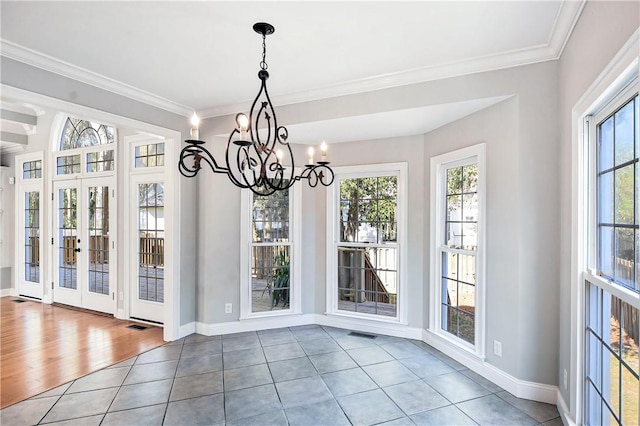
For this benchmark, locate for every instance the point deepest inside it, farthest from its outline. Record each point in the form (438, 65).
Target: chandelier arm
(198, 153)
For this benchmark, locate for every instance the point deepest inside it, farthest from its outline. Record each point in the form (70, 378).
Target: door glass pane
(67, 237)
(32, 236)
(151, 246)
(99, 239)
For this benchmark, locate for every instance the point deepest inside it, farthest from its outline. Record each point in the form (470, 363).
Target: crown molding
(564, 23)
(566, 19)
(39, 60)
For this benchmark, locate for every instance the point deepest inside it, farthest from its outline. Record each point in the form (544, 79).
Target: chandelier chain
(263, 64)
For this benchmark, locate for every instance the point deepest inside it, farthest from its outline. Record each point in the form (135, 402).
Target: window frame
(333, 238)
(439, 165)
(294, 244)
(624, 90)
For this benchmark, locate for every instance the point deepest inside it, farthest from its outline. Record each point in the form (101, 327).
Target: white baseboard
(253, 324)
(186, 329)
(520, 388)
(565, 413)
(5, 292)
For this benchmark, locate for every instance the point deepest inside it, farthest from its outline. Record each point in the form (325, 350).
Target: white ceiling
(203, 56)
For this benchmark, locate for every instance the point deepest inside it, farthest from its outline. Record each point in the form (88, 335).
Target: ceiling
(204, 56)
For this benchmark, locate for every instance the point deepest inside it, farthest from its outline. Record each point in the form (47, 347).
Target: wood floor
(44, 346)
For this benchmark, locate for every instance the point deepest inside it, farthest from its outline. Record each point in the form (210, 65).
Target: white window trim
(333, 201)
(295, 241)
(613, 79)
(439, 164)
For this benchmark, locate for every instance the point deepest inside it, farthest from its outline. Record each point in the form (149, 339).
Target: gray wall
(602, 30)
(522, 137)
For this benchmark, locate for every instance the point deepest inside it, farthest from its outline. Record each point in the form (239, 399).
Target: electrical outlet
(497, 348)
(565, 379)
(228, 308)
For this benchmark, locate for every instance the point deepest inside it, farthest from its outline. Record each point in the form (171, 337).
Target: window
(459, 252)
(457, 203)
(149, 155)
(79, 133)
(270, 226)
(32, 236)
(82, 148)
(32, 169)
(366, 214)
(151, 237)
(611, 365)
(100, 161)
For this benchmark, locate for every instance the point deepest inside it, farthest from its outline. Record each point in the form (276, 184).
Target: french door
(84, 255)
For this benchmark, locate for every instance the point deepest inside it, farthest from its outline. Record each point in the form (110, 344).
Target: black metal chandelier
(258, 155)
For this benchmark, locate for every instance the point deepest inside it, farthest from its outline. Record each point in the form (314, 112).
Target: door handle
(77, 250)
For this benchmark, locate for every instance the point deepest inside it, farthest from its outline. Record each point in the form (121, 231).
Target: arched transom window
(79, 133)
(92, 146)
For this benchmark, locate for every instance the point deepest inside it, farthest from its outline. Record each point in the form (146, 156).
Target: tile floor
(309, 375)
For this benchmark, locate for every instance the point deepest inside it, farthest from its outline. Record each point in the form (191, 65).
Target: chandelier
(257, 155)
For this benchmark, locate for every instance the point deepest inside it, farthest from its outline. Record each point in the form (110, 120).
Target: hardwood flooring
(44, 346)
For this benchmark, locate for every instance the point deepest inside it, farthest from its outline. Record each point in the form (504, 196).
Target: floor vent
(18, 300)
(137, 327)
(368, 336)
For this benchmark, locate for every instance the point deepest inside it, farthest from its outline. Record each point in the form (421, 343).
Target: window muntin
(612, 368)
(271, 251)
(98, 239)
(149, 155)
(32, 236)
(32, 169)
(79, 133)
(67, 235)
(617, 196)
(458, 253)
(151, 242)
(367, 250)
(68, 164)
(100, 161)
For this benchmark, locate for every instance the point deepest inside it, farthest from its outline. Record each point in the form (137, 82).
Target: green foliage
(368, 200)
(278, 282)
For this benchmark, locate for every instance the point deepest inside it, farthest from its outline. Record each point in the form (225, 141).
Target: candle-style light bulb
(243, 125)
(195, 122)
(323, 150)
(279, 155)
(310, 153)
